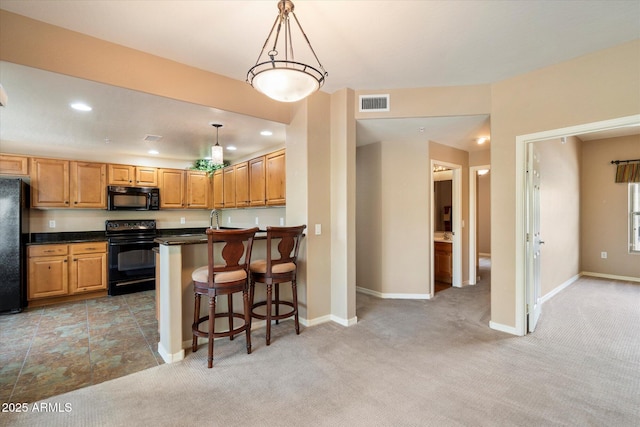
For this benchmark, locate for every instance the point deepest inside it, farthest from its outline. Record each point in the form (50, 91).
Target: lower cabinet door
(88, 273)
(47, 277)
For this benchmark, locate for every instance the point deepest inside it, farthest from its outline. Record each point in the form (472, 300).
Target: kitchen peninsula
(178, 257)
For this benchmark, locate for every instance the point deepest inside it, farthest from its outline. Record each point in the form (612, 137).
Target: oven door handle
(134, 242)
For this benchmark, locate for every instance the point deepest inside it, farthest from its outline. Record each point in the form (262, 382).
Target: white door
(534, 240)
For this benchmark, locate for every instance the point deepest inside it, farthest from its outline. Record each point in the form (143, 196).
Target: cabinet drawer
(46, 250)
(88, 248)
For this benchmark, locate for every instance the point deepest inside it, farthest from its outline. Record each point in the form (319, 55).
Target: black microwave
(133, 198)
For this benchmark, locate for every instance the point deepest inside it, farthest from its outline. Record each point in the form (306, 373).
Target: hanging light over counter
(216, 150)
(285, 79)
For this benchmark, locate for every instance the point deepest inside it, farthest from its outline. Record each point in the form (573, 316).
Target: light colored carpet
(406, 363)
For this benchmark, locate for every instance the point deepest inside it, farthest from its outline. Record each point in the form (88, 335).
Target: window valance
(627, 170)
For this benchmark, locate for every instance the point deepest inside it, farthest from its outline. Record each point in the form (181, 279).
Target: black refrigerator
(14, 234)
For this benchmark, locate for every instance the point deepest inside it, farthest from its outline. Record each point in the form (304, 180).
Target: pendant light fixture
(282, 78)
(216, 150)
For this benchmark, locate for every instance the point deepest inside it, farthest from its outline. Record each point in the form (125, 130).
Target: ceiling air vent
(152, 138)
(372, 103)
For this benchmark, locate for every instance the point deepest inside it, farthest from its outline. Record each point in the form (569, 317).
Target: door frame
(522, 141)
(456, 197)
(473, 221)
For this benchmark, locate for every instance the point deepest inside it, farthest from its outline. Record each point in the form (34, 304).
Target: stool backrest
(236, 249)
(288, 244)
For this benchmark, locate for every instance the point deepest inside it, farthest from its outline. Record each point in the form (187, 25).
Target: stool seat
(260, 266)
(227, 279)
(280, 266)
(202, 275)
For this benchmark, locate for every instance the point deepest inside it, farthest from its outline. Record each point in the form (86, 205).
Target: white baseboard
(383, 295)
(504, 328)
(168, 357)
(558, 289)
(344, 322)
(611, 276)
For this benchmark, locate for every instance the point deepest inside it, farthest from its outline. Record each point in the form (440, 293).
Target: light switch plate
(318, 229)
(52, 223)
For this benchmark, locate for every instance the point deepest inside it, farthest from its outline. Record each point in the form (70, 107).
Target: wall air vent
(373, 103)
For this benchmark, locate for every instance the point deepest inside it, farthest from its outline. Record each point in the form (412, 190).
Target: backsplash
(66, 220)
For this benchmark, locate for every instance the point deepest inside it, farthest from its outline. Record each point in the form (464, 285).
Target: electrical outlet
(257, 221)
(603, 255)
(281, 222)
(183, 220)
(229, 219)
(52, 224)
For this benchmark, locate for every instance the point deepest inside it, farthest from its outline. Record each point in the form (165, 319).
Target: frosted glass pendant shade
(285, 84)
(216, 155)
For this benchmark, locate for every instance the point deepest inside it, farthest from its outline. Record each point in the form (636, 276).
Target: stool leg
(196, 317)
(247, 319)
(252, 295)
(268, 319)
(230, 306)
(212, 321)
(294, 292)
(277, 301)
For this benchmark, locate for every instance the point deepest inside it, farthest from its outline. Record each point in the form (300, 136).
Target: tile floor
(51, 350)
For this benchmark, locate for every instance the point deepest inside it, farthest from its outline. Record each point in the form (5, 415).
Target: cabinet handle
(75, 259)
(66, 202)
(65, 260)
(75, 203)
(49, 251)
(90, 249)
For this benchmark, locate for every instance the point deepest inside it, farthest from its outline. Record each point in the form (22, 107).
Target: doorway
(446, 225)
(524, 277)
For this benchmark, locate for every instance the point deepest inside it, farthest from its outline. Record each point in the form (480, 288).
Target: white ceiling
(362, 45)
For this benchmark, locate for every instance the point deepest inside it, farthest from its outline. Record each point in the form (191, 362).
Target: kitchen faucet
(216, 213)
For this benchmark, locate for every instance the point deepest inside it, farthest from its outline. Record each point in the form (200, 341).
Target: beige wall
(559, 169)
(596, 87)
(483, 201)
(604, 207)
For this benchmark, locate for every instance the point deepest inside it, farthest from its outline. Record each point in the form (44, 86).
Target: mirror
(442, 200)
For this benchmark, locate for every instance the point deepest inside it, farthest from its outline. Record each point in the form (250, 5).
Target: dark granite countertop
(66, 237)
(194, 239)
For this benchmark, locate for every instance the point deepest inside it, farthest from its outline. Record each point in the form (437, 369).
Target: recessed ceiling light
(266, 133)
(81, 106)
(482, 140)
(483, 172)
(153, 152)
(231, 147)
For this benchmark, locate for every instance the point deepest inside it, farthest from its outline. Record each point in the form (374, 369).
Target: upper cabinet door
(218, 189)
(146, 177)
(121, 175)
(276, 178)
(256, 182)
(197, 190)
(88, 185)
(14, 165)
(171, 188)
(242, 184)
(229, 174)
(49, 183)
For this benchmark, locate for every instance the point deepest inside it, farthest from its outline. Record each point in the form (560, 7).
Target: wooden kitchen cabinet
(88, 185)
(139, 176)
(49, 183)
(62, 272)
(172, 187)
(275, 181)
(47, 274)
(63, 184)
(229, 184)
(257, 182)
(87, 267)
(14, 165)
(443, 262)
(198, 190)
(242, 184)
(218, 189)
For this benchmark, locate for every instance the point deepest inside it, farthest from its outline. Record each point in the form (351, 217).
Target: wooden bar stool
(273, 271)
(224, 279)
